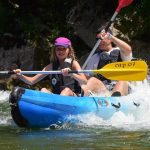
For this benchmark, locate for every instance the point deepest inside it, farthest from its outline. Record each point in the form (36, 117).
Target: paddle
(128, 71)
(121, 4)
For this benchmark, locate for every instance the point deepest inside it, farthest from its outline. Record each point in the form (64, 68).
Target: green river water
(119, 133)
(84, 138)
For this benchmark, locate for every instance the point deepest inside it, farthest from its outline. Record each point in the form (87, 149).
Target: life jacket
(105, 58)
(59, 82)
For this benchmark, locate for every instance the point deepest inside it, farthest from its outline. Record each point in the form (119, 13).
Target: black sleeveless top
(105, 58)
(59, 82)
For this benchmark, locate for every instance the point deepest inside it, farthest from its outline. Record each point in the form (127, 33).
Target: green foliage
(135, 20)
(44, 20)
(34, 18)
(37, 22)
(5, 13)
(47, 18)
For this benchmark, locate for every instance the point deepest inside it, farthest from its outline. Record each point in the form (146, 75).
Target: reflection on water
(122, 131)
(73, 138)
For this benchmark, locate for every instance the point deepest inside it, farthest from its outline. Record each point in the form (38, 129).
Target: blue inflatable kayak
(35, 109)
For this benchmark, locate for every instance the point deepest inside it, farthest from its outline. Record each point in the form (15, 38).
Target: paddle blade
(123, 3)
(127, 71)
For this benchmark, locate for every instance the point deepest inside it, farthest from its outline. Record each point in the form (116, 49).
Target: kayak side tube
(14, 98)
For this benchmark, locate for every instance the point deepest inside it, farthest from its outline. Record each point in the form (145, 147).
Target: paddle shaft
(100, 71)
(45, 72)
(99, 41)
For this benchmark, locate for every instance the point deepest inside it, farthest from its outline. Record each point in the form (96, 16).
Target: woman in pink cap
(62, 58)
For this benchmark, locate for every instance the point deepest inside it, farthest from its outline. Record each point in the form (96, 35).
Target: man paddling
(107, 53)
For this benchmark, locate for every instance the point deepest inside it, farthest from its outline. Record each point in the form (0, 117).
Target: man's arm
(124, 47)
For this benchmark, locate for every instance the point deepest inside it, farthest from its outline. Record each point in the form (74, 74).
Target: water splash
(5, 117)
(4, 96)
(138, 120)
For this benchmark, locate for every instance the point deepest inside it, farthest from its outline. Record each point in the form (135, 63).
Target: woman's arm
(81, 78)
(34, 79)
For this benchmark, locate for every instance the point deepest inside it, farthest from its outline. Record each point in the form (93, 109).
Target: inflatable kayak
(35, 109)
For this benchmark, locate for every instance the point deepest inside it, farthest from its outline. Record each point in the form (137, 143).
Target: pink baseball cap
(62, 41)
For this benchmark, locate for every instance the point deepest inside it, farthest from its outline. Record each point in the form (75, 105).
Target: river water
(122, 131)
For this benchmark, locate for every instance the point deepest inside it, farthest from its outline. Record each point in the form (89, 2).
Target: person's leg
(45, 90)
(94, 85)
(122, 87)
(67, 92)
